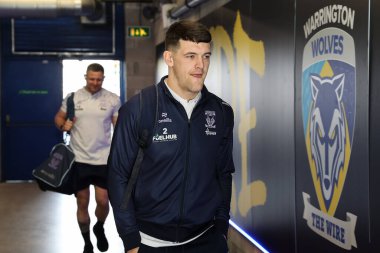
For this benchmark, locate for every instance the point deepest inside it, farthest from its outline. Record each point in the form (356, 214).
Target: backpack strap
(143, 141)
(70, 108)
(70, 111)
(146, 122)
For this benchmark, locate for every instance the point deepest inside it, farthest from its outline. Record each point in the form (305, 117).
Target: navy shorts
(88, 174)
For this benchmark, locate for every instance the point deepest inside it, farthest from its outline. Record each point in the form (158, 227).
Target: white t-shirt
(187, 104)
(90, 137)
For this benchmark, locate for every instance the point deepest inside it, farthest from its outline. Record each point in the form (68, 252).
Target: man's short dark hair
(95, 67)
(186, 30)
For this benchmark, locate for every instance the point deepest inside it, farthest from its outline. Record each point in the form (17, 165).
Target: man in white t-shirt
(96, 110)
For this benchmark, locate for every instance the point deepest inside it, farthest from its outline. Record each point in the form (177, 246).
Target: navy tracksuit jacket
(184, 183)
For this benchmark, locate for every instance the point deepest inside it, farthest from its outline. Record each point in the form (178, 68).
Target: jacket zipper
(184, 180)
(186, 169)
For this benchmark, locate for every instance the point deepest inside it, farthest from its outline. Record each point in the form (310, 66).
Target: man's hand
(135, 250)
(67, 125)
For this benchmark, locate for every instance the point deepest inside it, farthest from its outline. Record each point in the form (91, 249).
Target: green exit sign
(138, 31)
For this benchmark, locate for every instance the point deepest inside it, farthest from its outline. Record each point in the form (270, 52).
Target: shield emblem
(328, 111)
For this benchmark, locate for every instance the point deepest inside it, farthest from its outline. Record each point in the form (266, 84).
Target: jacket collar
(162, 85)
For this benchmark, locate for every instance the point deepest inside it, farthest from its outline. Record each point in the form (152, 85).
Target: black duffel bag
(55, 173)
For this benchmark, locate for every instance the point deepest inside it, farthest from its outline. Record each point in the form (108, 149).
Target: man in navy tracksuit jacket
(181, 200)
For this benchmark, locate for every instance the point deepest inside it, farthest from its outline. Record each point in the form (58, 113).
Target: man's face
(190, 62)
(94, 81)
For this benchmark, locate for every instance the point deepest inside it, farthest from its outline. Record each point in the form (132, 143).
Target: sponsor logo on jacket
(165, 136)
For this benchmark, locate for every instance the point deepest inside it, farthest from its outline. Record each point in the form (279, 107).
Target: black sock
(86, 237)
(99, 224)
(100, 236)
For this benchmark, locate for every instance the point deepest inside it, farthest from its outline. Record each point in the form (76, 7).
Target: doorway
(73, 72)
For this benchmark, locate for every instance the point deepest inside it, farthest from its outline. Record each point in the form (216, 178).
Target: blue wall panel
(30, 99)
(31, 80)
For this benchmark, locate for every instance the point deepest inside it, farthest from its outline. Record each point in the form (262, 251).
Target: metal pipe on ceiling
(178, 11)
(47, 8)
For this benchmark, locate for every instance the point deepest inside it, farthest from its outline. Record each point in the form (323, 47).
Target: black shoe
(101, 237)
(88, 248)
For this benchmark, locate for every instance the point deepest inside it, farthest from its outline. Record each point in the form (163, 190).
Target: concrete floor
(33, 221)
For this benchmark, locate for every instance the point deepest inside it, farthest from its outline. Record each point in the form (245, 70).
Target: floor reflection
(33, 221)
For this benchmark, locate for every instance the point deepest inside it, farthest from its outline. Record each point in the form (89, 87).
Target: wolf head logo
(327, 131)
(328, 94)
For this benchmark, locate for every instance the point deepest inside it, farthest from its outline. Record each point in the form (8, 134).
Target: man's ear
(168, 58)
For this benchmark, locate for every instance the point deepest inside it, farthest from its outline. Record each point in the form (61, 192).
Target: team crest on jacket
(328, 113)
(210, 122)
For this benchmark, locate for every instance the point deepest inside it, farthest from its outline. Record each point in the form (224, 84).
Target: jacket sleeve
(122, 155)
(225, 167)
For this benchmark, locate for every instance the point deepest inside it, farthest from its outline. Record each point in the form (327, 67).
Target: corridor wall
(252, 69)
(306, 116)
(332, 123)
